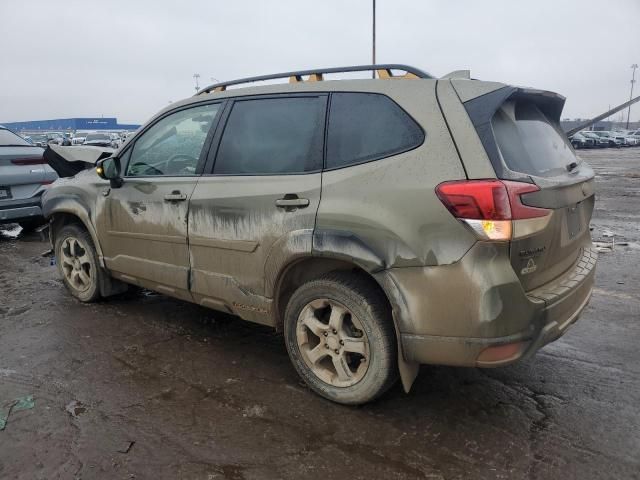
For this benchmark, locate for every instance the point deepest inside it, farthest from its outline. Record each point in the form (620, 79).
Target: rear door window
(367, 126)
(528, 142)
(273, 136)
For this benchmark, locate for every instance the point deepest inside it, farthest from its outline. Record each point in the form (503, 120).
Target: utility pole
(633, 80)
(373, 57)
(196, 76)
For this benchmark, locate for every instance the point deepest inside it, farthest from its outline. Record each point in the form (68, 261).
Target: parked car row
(100, 139)
(603, 139)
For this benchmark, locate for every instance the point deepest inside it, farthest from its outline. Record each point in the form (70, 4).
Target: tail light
(28, 161)
(492, 208)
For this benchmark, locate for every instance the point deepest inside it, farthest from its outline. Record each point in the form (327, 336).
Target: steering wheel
(180, 159)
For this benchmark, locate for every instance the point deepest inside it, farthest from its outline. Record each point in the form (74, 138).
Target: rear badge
(530, 268)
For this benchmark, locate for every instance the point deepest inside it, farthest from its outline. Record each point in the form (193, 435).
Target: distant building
(69, 124)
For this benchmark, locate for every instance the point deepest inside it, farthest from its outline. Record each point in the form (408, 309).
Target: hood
(68, 161)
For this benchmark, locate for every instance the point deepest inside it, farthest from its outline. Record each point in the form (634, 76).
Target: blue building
(70, 124)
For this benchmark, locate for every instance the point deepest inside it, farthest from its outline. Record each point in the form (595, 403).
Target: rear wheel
(78, 263)
(340, 338)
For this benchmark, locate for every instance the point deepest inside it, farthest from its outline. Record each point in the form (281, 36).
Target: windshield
(97, 136)
(8, 138)
(528, 142)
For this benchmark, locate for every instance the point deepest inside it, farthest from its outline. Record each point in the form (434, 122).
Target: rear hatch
(520, 130)
(22, 168)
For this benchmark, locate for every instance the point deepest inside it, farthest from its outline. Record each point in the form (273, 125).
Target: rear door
(143, 224)
(262, 193)
(525, 142)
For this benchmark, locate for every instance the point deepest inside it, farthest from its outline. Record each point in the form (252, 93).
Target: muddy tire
(78, 263)
(340, 337)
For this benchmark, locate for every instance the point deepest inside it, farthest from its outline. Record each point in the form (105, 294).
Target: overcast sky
(128, 59)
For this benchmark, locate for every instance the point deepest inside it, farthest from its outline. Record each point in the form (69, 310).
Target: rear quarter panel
(390, 205)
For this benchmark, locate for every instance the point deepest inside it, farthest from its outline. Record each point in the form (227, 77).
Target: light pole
(633, 80)
(373, 53)
(196, 76)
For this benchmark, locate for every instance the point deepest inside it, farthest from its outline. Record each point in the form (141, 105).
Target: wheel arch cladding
(65, 209)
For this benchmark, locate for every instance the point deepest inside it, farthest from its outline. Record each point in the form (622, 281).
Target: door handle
(292, 202)
(175, 196)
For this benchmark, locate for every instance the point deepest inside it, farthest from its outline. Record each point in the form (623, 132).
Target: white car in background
(626, 139)
(78, 138)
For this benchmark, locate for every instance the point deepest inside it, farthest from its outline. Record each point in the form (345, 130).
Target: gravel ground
(143, 386)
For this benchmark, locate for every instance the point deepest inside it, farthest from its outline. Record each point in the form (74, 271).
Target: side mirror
(109, 169)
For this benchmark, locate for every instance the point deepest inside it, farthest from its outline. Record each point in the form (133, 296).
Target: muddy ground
(144, 386)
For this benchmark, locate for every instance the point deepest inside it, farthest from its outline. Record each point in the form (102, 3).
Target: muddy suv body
(381, 224)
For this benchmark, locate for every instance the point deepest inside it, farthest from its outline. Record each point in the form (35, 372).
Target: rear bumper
(15, 210)
(484, 309)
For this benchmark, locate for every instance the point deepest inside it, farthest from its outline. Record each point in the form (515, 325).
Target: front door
(143, 224)
(262, 195)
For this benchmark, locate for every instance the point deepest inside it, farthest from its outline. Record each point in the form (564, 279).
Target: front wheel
(340, 337)
(78, 263)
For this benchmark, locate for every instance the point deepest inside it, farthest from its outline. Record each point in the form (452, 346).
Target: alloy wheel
(333, 343)
(76, 264)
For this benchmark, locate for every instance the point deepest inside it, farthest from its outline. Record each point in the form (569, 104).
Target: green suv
(380, 223)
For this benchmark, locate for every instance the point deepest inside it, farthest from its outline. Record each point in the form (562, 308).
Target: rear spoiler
(69, 161)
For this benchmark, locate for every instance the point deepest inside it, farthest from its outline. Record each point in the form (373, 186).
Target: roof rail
(383, 71)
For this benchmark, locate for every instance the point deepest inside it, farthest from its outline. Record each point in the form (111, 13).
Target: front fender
(71, 204)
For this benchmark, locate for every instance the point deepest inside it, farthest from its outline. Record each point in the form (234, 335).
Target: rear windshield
(8, 138)
(528, 142)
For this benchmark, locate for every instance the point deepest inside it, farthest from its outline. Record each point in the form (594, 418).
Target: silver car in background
(24, 176)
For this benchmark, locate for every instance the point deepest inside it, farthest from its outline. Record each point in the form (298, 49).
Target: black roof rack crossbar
(384, 71)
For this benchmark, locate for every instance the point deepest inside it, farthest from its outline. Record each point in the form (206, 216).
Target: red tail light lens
(28, 161)
(520, 211)
(476, 199)
(489, 206)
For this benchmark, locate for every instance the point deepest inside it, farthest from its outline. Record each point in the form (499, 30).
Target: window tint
(9, 138)
(172, 146)
(272, 136)
(367, 126)
(528, 142)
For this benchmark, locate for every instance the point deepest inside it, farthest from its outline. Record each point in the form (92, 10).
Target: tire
(78, 263)
(31, 224)
(364, 345)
